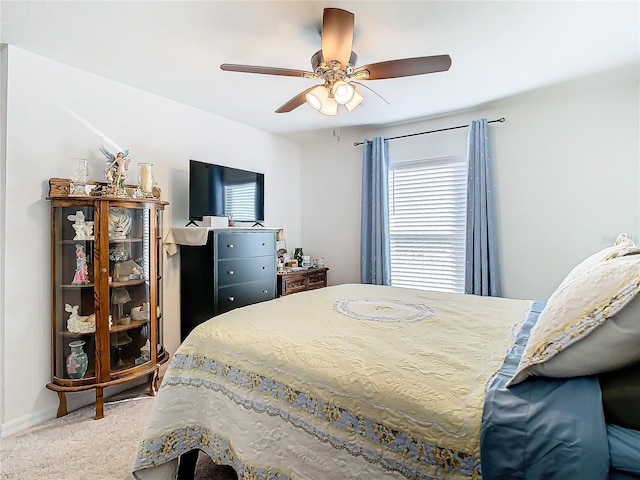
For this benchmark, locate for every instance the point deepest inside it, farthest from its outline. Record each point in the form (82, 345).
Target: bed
(362, 381)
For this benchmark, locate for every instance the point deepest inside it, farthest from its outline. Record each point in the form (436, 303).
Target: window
(239, 199)
(427, 223)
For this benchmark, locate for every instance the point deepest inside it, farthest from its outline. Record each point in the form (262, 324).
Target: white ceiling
(175, 48)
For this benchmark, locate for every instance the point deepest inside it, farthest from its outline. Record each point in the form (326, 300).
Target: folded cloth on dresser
(185, 236)
(542, 428)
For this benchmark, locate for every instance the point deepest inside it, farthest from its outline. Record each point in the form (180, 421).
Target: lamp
(355, 101)
(119, 296)
(326, 98)
(319, 99)
(343, 92)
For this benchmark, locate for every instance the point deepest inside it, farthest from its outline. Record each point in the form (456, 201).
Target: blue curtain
(481, 270)
(375, 259)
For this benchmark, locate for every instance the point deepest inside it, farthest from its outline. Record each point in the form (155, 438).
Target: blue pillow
(624, 449)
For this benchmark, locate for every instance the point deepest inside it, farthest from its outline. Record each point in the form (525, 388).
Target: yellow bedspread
(390, 375)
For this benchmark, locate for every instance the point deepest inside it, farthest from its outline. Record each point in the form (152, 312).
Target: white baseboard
(23, 423)
(74, 402)
(33, 419)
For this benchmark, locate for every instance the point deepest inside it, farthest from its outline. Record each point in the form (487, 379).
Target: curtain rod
(500, 120)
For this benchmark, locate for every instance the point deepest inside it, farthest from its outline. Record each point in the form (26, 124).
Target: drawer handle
(230, 272)
(230, 245)
(231, 299)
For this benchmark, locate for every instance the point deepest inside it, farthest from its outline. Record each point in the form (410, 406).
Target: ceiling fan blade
(337, 35)
(287, 72)
(295, 102)
(405, 67)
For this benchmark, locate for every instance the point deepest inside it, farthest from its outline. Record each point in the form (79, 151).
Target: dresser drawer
(244, 294)
(294, 283)
(317, 280)
(236, 245)
(242, 270)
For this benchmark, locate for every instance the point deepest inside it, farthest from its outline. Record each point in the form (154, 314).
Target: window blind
(427, 223)
(239, 199)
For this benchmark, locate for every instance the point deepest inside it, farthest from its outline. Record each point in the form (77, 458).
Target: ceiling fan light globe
(319, 99)
(313, 101)
(317, 96)
(355, 101)
(329, 107)
(343, 92)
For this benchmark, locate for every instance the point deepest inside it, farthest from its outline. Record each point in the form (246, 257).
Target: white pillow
(590, 324)
(622, 246)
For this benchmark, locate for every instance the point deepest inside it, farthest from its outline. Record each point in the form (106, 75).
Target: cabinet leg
(99, 403)
(62, 405)
(153, 384)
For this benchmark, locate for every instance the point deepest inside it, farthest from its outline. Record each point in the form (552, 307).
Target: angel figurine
(81, 276)
(116, 172)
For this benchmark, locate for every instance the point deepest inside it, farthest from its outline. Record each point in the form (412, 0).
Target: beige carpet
(78, 447)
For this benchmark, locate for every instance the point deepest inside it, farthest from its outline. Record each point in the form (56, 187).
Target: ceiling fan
(335, 64)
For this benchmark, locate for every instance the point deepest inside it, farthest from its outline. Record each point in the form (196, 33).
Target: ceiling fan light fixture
(319, 99)
(335, 63)
(313, 100)
(329, 107)
(343, 93)
(355, 101)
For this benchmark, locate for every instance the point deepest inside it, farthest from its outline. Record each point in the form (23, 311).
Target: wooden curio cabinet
(106, 304)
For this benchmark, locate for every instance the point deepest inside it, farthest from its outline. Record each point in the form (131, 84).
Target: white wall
(3, 185)
(566, 168)
(55, 112)
(566, 175)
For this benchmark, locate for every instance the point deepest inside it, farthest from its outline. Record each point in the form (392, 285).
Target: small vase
(79, 177)
(297, 254)
(77, 361)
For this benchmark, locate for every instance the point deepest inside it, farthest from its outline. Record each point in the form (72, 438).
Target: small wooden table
(300, 281)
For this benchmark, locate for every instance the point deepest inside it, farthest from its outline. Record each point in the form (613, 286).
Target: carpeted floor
(78, 447)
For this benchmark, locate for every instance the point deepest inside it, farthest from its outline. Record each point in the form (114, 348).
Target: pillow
(621, 396)
(622, 246)
(623, 450)
(590, 324)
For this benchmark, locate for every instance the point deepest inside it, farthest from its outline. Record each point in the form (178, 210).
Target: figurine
(145, 350)
(119, 222)
(116, 172)
(79, 225)
(81, 277)
(88, 230)
(127, 270)
(145, 354)
(77, 323)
